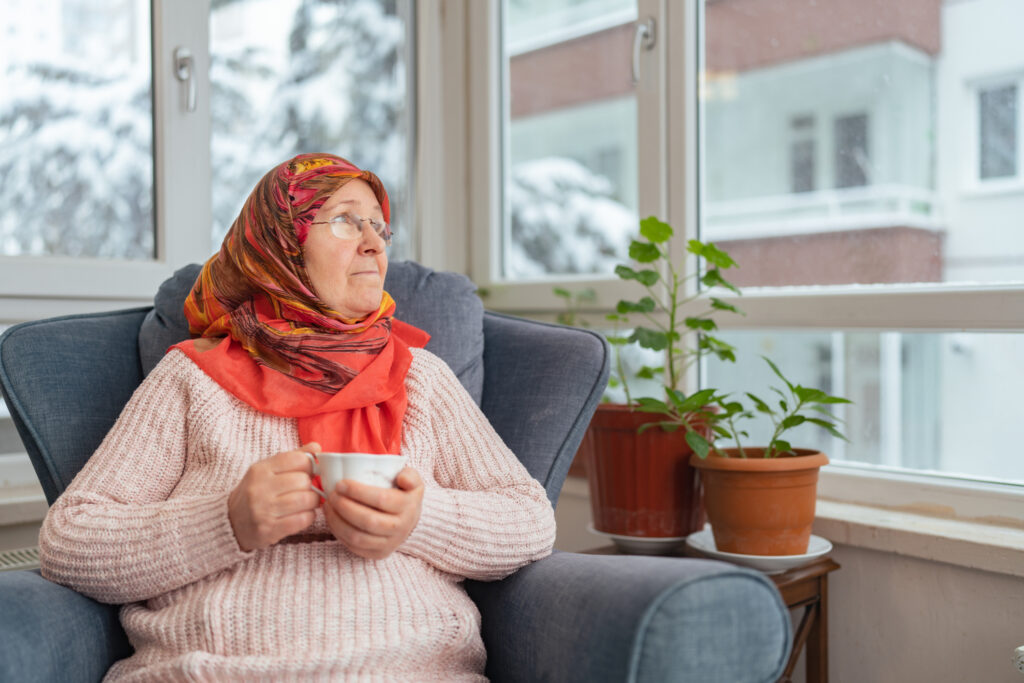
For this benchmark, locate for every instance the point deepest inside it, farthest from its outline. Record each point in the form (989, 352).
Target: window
(895, 222)
(298, 77)
(801, 154)
(826, 151)
(76, 138)
(852, 159)
(997, 132)
(571, 131)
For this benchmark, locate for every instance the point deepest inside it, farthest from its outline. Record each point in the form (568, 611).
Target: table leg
(817, 641)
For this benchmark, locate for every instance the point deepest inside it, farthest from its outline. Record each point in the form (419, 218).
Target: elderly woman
(197, 509)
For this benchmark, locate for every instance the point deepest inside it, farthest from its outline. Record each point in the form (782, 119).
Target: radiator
(21, 558)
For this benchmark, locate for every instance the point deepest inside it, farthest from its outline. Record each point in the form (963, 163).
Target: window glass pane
(884, 187)
(310, 76)
(76, 129)
(571, 163)
(997, 115)
(942, 403)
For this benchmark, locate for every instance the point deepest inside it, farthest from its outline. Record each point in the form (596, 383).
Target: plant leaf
(648, 278)
(713, 278)
(828, 426)
(809, 395)
(655, 230)
(650, 339)
(645, 305)
(778, 372)
(652, 405)
(643, 252)
(666, 425)
(779, 446)
(699, 444)
(761, 405)
(720, 305)
(705, 324)
(792, 421)
(625, 272)
(564, 293)
(647, 372)
(697, 400)
(835, 399)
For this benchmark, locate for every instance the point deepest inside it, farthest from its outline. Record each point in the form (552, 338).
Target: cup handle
(316, 466)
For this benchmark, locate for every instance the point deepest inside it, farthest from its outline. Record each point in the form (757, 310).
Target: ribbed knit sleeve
(118, 534)
(483, 515)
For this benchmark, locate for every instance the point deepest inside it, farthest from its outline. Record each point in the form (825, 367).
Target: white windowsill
(22, 505)
(975, 545)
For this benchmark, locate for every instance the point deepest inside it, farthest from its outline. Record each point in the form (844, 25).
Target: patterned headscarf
(281, 349)
(257, 290)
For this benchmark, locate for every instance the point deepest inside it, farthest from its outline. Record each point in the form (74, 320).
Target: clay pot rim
(805, 458)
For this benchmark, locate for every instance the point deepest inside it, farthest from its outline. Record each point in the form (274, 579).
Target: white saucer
(704, 541)
(642, 545)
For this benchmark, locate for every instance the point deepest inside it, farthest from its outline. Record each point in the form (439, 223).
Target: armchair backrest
(67, 379)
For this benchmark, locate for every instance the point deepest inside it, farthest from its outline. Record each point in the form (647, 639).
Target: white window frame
(36, 287)
(667, 110)
(973, 182)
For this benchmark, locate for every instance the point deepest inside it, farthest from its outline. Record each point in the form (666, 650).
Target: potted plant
(641, 482)
(761, 501)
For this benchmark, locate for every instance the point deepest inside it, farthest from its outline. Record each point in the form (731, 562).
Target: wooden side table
(807, 587)
(801, 587)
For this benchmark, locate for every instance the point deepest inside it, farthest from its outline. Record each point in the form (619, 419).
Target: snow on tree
(564, 221)
(76, 159)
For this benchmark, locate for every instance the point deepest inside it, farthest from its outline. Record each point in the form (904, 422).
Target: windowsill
(975, 545)
(994, 188)
(22, 504)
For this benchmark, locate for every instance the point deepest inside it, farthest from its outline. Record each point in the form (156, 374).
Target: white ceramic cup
(368, 468)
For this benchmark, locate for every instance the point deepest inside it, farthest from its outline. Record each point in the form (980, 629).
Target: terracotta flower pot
(640, 484)
(760, 506)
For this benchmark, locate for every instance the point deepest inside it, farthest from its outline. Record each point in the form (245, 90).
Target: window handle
(642, 38)
(183, 71)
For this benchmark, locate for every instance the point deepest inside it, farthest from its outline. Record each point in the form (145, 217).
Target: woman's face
(347, 275)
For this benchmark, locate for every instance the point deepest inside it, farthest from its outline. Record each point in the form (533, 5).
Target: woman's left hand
(372, 521)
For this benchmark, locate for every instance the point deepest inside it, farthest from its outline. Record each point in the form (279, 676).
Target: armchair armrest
(574, 617)
(51, 633)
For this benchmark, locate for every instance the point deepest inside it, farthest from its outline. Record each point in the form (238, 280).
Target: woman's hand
(274, 499)
(372, 521)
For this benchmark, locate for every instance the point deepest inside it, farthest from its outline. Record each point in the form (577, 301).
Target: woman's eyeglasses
(349, 226)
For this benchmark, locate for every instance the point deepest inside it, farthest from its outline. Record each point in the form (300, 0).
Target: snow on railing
(874, 206)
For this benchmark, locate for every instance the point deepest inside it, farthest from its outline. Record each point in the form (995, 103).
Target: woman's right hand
(274, 499)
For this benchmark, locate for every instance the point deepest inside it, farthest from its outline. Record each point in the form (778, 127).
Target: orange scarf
(276, 346)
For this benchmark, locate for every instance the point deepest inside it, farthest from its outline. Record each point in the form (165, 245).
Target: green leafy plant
(677, 320)
(796, 405)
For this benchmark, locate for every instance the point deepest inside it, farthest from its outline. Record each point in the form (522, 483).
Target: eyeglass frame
(342, 218)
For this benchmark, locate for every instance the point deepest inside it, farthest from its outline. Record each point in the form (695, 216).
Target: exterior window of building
(802, 150)
(851, 147)
(888, 216)
(997, 132)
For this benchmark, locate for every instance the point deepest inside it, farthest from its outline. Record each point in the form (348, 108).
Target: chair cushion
(443, 304)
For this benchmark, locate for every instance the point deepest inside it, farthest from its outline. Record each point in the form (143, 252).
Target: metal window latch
(642, 38)
(183, 71)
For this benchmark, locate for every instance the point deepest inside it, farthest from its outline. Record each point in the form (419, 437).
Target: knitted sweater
(146, 523)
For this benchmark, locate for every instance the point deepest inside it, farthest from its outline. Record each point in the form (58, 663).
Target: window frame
(974, 183)
(672, 111)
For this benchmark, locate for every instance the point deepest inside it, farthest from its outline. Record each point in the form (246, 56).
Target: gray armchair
(569, 617)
